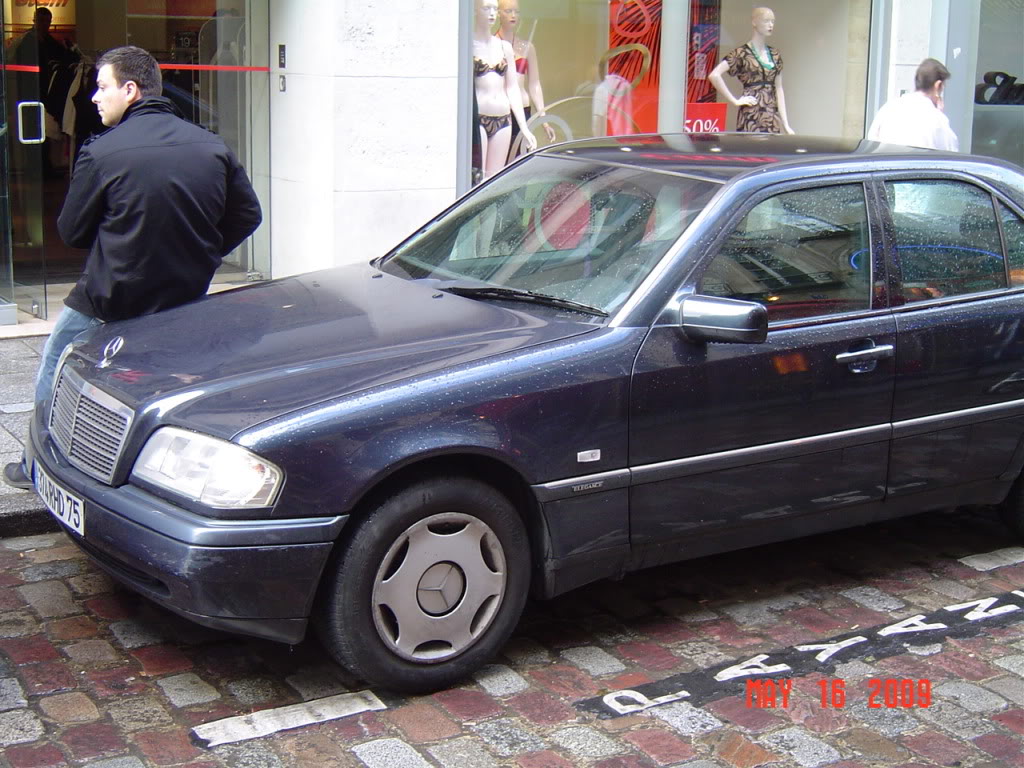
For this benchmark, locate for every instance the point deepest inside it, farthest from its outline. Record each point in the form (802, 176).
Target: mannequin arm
(780, 97)
(533, 87)
(716, 80)
(515, 98)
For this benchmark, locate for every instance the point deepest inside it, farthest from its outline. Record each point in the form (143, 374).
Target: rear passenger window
(947, 240)
(802, 254)
(1013, 231)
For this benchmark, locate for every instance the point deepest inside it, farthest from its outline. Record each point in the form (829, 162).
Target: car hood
(235, 359)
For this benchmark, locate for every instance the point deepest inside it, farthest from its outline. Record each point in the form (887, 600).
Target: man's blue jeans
(70, 325)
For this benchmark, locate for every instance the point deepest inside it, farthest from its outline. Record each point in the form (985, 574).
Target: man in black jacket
(157, 200)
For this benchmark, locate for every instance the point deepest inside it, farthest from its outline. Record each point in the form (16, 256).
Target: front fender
(535, 413)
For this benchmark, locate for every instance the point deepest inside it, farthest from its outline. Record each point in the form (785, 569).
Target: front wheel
(428, 586)
(1011, 510)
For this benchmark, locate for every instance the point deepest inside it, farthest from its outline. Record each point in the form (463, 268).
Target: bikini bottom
(494, 123)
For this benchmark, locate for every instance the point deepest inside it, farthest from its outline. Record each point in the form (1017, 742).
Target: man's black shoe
(15, 476)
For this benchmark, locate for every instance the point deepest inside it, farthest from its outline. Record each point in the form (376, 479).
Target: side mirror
(710, 318)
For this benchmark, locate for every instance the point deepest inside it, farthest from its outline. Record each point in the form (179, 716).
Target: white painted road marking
(883, 641)
(269, 721)
(16, 407)
(998, 559)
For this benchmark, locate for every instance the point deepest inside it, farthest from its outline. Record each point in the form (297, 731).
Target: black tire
(427, 586)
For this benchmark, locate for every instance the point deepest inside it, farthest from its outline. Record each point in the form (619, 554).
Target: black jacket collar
(151, 105)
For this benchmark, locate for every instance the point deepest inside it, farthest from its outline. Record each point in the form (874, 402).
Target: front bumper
(255, 577)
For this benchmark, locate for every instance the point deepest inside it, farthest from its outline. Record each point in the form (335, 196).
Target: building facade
(358, 121)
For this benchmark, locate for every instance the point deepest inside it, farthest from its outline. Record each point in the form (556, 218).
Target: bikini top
(522, 65)
(481, 67)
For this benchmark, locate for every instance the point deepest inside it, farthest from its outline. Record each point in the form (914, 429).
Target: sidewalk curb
(27, 522)
(21, 513)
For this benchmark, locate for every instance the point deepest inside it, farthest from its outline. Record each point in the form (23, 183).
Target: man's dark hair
(132, 63)
(929, 72)
(42, 11)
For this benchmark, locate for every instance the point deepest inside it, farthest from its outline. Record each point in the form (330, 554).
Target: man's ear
(134, 94)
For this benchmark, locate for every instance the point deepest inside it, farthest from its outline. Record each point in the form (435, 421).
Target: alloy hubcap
(439, 587)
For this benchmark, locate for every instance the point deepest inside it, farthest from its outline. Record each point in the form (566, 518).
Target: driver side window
(802, 254)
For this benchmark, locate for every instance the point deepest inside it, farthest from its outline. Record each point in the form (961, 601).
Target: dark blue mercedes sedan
(615, 354)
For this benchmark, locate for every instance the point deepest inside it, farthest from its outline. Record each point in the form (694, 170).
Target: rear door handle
(871, 353)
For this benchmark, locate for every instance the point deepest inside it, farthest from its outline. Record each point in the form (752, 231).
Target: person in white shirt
(916, 119)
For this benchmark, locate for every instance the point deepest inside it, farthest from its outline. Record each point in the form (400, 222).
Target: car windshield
(578, 232)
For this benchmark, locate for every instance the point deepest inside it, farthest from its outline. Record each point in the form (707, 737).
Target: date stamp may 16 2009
(766, 679)
(882, 693)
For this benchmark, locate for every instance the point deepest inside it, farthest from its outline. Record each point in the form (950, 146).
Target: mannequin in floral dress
(758, 66)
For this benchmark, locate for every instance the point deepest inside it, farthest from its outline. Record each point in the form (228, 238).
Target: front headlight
(207, 469)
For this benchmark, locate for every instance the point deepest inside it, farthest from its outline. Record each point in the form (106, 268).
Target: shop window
(947, 241)
(998, 109)
(580, 69)
(802, 254)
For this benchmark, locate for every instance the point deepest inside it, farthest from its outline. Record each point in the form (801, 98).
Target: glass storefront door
(8, 309)
(214, 58)
(23, 148)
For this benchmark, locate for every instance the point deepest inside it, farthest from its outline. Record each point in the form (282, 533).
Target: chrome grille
(88, 425)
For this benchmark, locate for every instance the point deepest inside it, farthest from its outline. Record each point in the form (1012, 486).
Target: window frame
(878, 279)
(893, 264)
(1001, 203)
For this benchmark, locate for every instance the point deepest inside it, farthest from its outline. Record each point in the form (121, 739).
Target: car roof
(720, 156)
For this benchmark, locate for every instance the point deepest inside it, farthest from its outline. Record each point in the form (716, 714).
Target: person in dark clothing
(157, 200)
(56, 62)
(51, 53)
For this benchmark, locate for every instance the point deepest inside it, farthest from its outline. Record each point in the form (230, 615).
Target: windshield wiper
(515, 294)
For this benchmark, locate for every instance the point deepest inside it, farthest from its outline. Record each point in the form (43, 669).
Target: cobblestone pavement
(92, 675)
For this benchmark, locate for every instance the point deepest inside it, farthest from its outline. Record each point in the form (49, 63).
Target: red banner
(634, 50)
(705, 117)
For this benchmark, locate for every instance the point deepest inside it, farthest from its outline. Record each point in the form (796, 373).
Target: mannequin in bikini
(497, 91)
(758, 66)
(527, 67)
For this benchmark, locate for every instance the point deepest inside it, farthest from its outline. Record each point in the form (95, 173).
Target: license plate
(65, 506)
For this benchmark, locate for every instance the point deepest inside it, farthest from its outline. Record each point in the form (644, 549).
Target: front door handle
(880, 352)
(38, 105)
